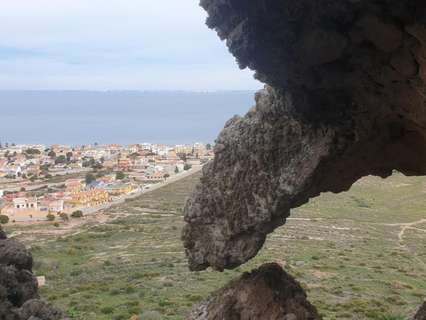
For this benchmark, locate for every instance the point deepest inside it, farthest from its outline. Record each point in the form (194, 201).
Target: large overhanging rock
(345, 98)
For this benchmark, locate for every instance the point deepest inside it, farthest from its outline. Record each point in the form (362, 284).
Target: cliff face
(345, 98)
(19, 298)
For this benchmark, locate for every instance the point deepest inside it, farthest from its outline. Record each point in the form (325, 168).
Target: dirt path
(407, 226)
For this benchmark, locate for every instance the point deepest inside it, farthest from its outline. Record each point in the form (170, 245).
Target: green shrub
(4, 219)
(77, 214)
(107, 310)
(120, 175)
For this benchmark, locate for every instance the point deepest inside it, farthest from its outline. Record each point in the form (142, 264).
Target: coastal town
(59, 182)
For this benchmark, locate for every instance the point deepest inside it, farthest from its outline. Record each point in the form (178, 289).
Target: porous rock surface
(265, 293)
(19, 299)
(421, 314)
(345, 97)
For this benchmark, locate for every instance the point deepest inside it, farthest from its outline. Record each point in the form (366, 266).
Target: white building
(25, 203)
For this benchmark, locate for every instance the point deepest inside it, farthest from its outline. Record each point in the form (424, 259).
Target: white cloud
(113, 44)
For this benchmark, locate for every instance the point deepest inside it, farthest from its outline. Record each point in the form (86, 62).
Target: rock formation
(421, 314)
(345, 98)
(19, 298)
(266, 293)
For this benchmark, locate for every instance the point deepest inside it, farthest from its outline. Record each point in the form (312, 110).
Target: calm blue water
(78, 117)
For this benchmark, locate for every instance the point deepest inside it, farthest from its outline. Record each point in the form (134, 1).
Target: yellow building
(74, 185)
(120, 189)
(89, 198)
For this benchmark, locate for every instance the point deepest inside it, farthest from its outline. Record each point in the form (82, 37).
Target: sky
(113, 45)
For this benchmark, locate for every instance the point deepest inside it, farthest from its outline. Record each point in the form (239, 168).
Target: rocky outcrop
(421, 314)
(345, 98)
(265, 293)
(19, 298)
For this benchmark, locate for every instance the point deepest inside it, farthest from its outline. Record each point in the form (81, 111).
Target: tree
(120, 175)
(208, 146)
(61, 159)
(64, 216)
(176, 170)
(77, 214)
(50, 217)
(97, 166)
(69, 156)
(52, 154)
(4, 219)
(187, 167)
(90, 178)
(89, 162)
(32, 151)
(166, 176)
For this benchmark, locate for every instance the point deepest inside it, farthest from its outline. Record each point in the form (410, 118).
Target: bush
(50, 217)
(187, 167)
(56, 224)
(77, 214)
(120, 175)
(64, 216)
(90, 178)
(4, 219)
(107, 310)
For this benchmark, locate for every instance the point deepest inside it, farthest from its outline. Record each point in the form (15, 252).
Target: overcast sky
(113, 44)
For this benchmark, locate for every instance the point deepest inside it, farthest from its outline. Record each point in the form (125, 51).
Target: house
(124, 164)
(110, 163)
(25, 203)
(74, 185)
(89, 198)
(51, 205)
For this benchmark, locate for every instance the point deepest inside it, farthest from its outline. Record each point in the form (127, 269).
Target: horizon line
(130, 90)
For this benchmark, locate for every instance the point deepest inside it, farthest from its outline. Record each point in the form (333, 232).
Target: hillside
(360, 254)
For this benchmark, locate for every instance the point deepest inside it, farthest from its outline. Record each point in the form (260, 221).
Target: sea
(124, 117)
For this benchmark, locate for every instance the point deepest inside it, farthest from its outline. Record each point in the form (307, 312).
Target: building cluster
(38, 161)
(107, 172)
(75, 194)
